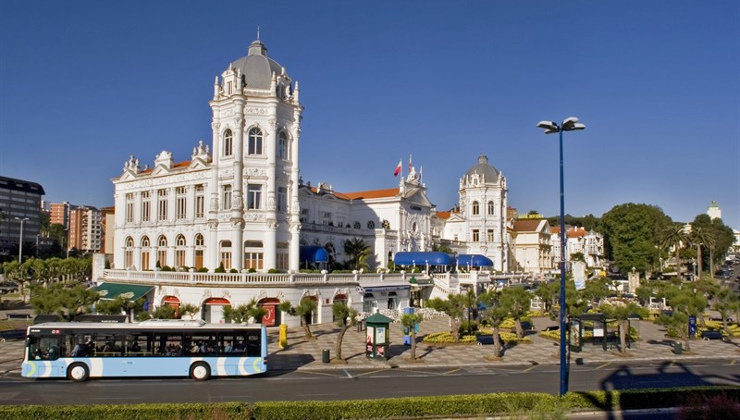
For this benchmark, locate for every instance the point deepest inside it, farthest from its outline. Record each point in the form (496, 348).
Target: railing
(250, 279)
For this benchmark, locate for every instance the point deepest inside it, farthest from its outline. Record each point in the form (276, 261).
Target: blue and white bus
(80, 350)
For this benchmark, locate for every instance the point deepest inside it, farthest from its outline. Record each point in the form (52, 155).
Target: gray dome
(488, 172)
(256, 67)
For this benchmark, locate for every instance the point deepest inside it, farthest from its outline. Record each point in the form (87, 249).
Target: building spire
(258, 32)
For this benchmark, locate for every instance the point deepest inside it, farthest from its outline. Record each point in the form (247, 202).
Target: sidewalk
(303, 354)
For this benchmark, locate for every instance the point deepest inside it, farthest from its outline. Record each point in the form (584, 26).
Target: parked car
(711, 335)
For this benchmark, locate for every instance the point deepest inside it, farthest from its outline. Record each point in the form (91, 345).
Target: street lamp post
(569, 124)
(20, 243)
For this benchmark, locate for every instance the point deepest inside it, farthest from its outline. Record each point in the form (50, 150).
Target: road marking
(316, 373)
(371, 372)
(733, 362)
(604, 365)
(530, 368)
(452, 371)
(347, 373)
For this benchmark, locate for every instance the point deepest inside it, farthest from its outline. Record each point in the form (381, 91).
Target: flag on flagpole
(398, 169)
(409, 163)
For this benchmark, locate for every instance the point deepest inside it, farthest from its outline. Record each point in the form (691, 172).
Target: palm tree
(674, 236)
(357, 252)
(701, 237)
(345, 317)
(305, 309)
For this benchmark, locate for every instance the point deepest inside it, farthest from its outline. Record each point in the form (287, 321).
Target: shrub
(202, 270)
(274, 271)
(445, 337)
(234, 270)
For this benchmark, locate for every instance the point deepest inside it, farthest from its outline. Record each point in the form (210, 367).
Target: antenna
(258, 32)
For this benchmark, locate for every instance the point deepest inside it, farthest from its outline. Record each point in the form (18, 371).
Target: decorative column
(237, 197)
(211, 253)
(271, 192)
(295, 208)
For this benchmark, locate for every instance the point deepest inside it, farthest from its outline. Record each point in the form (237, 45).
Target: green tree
(548, 293)
(495, 313)
(631, 234)
(702, 238)
(622, 313)
(110, 306)
(409, 321)
(305, 310)
(164, 312)
(517, 301)
(454, 307)
(357, 252)
(726, 303)
(62, 300)
(345, 317)
(243, 313)
(685, 303)
(721, 235)
(595, 290)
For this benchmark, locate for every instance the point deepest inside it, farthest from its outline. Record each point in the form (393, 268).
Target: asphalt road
(341, 384)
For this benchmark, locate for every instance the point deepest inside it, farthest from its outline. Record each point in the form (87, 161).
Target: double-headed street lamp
(20, 244)
(550, 127)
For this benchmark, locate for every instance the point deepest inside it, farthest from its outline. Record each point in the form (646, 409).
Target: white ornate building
(240, 203)
(578, 239)
(479, 224)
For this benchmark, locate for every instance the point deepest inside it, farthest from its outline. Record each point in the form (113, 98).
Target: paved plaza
(305, 354)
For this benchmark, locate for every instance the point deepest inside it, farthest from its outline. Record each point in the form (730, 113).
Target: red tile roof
(444, 214)
(526, 225)
(360, 195)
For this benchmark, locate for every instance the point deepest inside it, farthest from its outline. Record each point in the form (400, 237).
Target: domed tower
(483, 202)
(254, 216)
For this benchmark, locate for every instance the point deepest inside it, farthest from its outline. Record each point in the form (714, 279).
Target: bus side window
(253, 344)
(43, 348)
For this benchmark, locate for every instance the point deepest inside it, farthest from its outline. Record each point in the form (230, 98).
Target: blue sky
(84, 84)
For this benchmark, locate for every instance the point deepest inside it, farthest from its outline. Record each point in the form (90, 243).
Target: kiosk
(377, 339)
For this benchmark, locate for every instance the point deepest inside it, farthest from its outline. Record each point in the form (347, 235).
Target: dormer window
(255, 142)
(228, 143)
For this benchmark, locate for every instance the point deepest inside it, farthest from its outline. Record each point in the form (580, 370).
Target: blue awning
(313, 254)
(473, 260)
(422, 258)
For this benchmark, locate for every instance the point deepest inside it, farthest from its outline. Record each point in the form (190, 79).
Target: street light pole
(570, 124)
(20, 242)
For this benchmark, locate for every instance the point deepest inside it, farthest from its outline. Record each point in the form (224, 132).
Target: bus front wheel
(78, 372)
(200, 371)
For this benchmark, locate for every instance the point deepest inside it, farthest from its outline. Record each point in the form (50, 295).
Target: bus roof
(151, 326)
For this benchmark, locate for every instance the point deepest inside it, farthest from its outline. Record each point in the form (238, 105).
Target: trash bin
(678, 348)
(325, 355)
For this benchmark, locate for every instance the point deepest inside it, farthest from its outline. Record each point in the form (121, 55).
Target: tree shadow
(668, 375)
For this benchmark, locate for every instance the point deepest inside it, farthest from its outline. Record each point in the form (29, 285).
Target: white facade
(578, 239)
(532, 245)
(479, 225)
(237, 206)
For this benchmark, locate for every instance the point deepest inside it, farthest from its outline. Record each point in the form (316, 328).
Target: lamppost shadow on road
(668, 374)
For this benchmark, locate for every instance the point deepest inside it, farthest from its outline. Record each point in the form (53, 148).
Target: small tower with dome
(713, 211)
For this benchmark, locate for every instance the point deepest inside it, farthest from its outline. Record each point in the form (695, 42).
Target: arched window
(371, 225)
(145, 253)
(162, 251)
(283, 146)
(255, 142)
(490, 208)
(228, 144)
(180, 251)
(199, 246)
(226, 254)
(128, 253)
(476, 210)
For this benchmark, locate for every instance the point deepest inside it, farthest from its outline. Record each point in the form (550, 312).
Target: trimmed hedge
(724, 398)
(189, 411)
